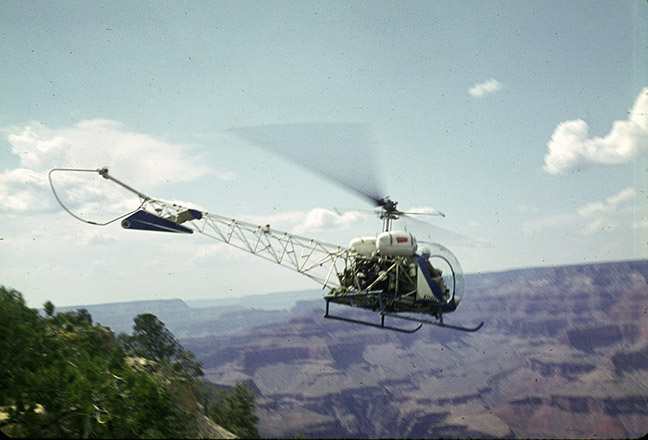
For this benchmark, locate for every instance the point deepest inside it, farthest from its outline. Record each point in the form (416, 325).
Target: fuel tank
(363, 245)
(398, 243)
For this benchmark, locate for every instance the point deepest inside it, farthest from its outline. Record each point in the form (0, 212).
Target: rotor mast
(388, 213)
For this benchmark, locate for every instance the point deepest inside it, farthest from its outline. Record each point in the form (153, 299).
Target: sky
(525, 122)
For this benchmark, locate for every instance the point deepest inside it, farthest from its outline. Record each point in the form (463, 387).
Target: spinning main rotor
(313, 145)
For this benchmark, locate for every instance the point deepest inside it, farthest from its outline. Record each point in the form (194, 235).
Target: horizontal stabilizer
(146, 221)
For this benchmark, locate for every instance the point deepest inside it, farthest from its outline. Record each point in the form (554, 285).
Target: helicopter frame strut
(370, 324)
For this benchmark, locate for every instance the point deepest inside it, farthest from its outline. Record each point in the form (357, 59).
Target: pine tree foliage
(65, 377)
(233, 410)
(152, 340)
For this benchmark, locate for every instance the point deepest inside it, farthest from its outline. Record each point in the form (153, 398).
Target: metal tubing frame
(314, 259)
(370, 324)
(103, 172)
(397, 315)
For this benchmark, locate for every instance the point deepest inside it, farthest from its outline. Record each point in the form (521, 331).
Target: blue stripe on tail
(145, 221)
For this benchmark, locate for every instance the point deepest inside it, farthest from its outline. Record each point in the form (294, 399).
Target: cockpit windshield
(447, 264)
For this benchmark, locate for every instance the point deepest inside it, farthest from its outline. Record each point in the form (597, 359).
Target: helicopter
(381, 273)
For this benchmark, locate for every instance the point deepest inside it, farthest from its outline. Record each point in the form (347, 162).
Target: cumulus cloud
(319, 223)
(315, 220)
(320, 218)
(96, 143)
(21, 190)
(616, 212)
(91, 144)
(485, 88)
(609, 214)
(571, 147)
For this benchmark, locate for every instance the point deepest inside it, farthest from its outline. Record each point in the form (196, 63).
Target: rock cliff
(563, 354)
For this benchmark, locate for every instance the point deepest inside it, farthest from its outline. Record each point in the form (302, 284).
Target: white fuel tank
(363, 245)
(398, 243)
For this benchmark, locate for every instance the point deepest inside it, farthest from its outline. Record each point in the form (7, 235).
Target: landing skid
(371, 324)
(420, 322)
(439, 323)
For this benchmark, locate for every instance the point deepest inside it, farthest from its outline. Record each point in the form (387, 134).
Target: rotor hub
(389, 209)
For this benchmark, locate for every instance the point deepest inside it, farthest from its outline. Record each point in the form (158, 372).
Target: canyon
(563, 354)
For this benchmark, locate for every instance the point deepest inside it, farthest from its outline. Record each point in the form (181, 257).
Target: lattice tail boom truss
(322, 262)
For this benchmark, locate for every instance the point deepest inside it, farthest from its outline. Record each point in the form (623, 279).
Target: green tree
(151, 339)
(21, 346)
(64, 377)
(186, 363)
(235, 410)
(84, 315)
(49, 308)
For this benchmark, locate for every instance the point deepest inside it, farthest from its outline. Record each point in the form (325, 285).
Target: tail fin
(144, 220)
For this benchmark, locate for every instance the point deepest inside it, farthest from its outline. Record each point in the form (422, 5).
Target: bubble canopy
(445, 261)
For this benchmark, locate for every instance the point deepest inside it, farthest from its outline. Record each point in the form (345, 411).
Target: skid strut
(383, 313)
(371, 324)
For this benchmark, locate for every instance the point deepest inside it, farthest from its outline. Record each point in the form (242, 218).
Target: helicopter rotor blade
(340, 152)
(437, 234)
(428, 232)
(435, 213)
(378, 211)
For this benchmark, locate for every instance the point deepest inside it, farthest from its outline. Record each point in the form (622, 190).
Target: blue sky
(524, 122)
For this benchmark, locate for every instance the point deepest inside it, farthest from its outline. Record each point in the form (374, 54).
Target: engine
(389, 263)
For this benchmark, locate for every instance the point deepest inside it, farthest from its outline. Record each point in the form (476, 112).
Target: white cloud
(99, 142)
(611, 205)
(315, 220)
(485, 88)
(91, 144)
(571, 147)
(606, 216)
(623, 196)
(23, 190)
(320, 218)
(615, 213)
(600, 224)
